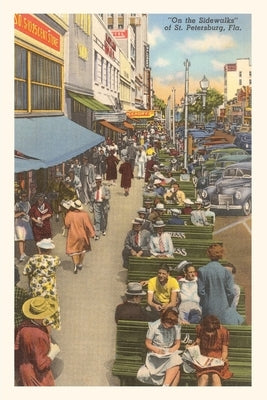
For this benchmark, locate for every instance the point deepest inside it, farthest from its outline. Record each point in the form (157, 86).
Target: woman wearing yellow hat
(34, 351)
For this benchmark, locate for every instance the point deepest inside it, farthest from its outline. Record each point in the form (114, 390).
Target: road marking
(232, 225)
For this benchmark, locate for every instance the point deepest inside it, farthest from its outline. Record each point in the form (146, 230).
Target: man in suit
(136, 242)
(100, 197)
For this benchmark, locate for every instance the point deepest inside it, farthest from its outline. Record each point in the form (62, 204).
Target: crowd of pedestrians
(87, 183)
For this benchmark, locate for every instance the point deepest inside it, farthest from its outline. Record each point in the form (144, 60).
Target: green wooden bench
(144, 268)
(131, 353)
(190, 231)
(192, 247)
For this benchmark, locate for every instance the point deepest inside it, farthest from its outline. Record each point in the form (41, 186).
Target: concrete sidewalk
(88, 299)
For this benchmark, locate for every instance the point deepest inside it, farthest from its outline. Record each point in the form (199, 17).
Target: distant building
(236, 76)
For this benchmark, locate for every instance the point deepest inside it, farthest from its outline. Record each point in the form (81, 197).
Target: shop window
(42, 77)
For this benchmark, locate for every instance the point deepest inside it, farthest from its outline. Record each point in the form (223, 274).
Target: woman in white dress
(163, 339)
(23, 229)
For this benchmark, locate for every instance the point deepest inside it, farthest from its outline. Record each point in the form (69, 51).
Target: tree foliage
(159, 104)
(213, 100)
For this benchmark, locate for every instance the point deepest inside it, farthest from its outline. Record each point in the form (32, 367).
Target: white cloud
(216, 42)
(162, 62)
(155, 36)
(217, 65)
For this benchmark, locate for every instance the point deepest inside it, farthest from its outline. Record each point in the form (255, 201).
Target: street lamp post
(173, 117)
(187, 65)
(190, 99)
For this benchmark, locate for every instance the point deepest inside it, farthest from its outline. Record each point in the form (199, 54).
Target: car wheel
(246, 208)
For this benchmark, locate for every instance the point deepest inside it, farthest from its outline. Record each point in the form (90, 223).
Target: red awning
(112, 127)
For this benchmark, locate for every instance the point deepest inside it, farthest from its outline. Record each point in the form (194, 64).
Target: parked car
(215, 156)
(198, 133)
(232, 191)
(243, 141)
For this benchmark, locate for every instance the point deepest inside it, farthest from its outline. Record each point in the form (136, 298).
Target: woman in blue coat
(216, 289)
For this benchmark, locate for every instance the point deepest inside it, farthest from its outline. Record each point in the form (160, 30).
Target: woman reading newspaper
(209, 352)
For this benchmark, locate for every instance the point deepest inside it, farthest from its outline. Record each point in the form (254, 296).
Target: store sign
(140, 114)
(110, 46)
(31, 26)
(120, 33)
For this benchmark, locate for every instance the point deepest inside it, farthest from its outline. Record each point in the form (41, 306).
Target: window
(240, 82)
(240, 74)
(38, 82)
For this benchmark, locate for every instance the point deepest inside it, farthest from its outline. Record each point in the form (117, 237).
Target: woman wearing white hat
(34, 351)
(41, 271)
(80, 230)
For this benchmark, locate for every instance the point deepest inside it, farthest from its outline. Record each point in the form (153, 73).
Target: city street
(88, 299)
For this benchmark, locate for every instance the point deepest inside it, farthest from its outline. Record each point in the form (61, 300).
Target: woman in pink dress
(80, 230)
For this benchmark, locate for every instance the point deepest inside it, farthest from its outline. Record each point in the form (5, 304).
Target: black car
(243, 141)
(231, 192)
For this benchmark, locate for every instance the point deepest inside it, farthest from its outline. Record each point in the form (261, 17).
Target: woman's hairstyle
(215, 252)
(170, 316)
(210, 323)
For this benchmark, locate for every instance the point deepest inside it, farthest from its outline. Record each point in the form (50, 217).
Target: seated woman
(162, 365)
(213, 340)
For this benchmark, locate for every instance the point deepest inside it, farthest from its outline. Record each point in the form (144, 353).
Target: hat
(207, 204)
(137, 221)
(142, 210)
(188, 201)
(198, 201)
(98, 178)
(39, 307)
(155, 166)
(180, 267)
(176, 211)
(147, 200)
(160, 207)
(77, 204)
(158, 224)
(59, 174)
(46, 244)
(40, 195)
(157, 181)
(135, 289)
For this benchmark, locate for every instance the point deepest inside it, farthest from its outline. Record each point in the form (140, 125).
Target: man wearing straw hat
(34, 350)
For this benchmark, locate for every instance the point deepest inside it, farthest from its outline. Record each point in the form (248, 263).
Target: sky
(208, 41)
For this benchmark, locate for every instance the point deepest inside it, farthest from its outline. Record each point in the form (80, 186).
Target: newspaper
(193, 356)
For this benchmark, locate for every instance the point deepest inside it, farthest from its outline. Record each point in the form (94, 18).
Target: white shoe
(23, 257)
(104, 233)
(97, 237)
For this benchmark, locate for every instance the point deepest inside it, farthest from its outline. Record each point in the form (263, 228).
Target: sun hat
(135, 289)
(158, 224)
(98, 178)
(157, 181)
(77, 204)
(137, 221)
(142, 210)
(160, 207)
(176, 211)
(46, 244)
(180, 267)
(198, 201)
(39, 307)
(188, 201)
